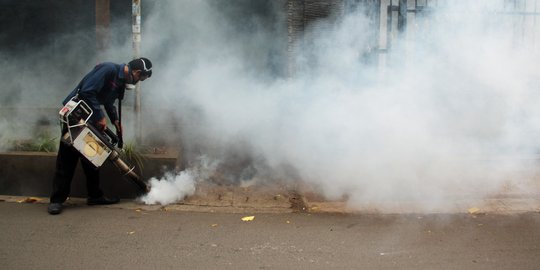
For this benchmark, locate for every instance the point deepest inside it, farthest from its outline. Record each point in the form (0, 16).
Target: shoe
(102, 201)
(55, 208)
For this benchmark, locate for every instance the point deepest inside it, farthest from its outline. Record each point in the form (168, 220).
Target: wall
(31, 173)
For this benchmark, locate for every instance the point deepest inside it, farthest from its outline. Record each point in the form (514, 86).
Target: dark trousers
(66, 163)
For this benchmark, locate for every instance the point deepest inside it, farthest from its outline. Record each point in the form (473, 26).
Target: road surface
(95, 237)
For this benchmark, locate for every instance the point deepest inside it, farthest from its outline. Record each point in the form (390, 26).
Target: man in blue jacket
(102, 86)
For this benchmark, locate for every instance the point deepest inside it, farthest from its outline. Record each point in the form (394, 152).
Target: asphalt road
(96, 237)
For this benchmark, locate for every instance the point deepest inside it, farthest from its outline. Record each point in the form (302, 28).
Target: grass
(40, 144)
(132, 153)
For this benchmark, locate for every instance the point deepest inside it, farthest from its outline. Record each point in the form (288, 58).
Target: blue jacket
(102, 86)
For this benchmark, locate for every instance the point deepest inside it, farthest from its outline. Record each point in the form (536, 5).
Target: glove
(119, 134)
(118, 127)
(101, 124)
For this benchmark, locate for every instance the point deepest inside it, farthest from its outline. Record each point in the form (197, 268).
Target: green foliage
(40, 144)
(47, 144)
(134, 154)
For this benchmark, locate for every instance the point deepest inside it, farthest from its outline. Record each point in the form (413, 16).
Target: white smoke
(176, 186)
(171, 188)
(455, 112)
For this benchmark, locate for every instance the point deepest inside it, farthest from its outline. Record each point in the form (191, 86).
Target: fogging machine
(94, 145)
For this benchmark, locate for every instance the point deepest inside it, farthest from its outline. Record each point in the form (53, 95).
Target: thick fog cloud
(453, 114)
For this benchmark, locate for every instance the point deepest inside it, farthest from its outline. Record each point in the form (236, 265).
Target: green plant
(47, 144)
(40, 144)
(132, 153)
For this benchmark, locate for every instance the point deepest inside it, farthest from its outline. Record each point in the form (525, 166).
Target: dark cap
(142, 64)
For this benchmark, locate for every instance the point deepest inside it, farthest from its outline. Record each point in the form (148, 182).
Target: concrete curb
(139, 206)
(242, 200)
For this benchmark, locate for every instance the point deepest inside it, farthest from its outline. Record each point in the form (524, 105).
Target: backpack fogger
(95, 146)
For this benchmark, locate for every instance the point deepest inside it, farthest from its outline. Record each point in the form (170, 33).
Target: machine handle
(112, 136)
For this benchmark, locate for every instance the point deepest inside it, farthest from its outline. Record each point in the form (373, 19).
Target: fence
(407, 20)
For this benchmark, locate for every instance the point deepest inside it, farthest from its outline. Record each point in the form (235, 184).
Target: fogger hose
(120, 164)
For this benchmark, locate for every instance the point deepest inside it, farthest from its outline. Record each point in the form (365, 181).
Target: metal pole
(402, 15)
(295, 27)
(136, 30)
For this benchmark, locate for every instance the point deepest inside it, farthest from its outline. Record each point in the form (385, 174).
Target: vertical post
(402, 15)
(290, 38)
(103, 19)
(136, 30)
(410, 30)
(384, 37)
(295, 25)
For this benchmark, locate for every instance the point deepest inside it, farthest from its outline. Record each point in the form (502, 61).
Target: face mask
(130, 86)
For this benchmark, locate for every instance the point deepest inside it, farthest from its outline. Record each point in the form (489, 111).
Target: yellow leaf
(248, 218)
(474, 210)
(29, 200)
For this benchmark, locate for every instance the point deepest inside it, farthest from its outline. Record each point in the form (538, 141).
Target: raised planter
(31, 173)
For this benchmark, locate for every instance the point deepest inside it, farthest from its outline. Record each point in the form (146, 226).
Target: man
(102, 86)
